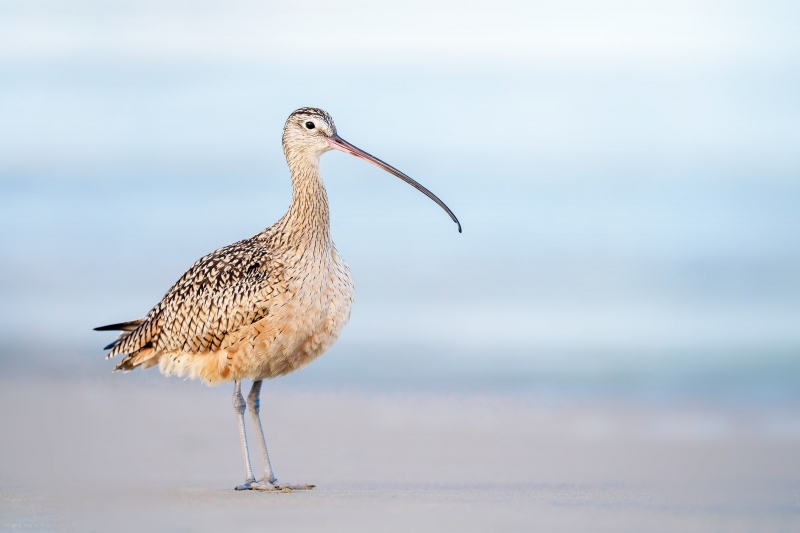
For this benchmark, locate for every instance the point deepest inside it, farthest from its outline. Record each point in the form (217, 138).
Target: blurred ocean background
(627, 175)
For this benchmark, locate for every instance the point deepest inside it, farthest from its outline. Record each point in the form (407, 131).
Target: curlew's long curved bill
(337, 143)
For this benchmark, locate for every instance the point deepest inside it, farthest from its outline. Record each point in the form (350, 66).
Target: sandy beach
(136, 453)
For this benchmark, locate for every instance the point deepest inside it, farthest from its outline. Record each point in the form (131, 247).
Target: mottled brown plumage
(258, 308)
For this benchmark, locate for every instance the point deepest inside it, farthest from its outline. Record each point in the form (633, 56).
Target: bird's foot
(272, 486)
(247, 485)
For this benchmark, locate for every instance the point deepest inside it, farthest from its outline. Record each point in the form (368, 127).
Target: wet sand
(133, 453)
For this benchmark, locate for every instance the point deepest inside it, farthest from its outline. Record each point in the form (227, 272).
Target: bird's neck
(307, 222)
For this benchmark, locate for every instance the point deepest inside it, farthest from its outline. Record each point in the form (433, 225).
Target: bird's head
(309, 132)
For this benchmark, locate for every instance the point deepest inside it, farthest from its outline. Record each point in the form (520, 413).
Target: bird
(264, 306)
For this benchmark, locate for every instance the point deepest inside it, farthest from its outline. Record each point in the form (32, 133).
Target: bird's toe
(247, 485)
(272, 486)
(266, 486)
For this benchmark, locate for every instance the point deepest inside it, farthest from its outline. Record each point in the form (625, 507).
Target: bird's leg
(269, 481)
(239, 407)
(254, 404)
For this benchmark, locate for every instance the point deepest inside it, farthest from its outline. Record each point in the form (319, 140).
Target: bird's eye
(310, 125)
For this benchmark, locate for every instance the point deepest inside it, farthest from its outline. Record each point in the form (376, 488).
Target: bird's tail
(143, 357)
(124, 327)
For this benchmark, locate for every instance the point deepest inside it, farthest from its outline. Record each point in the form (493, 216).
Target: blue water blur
(631, 218)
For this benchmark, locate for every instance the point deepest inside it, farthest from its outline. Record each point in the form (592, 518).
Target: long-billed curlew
(261, 307)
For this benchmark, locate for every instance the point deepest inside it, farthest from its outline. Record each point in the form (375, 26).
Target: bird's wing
(222, 292)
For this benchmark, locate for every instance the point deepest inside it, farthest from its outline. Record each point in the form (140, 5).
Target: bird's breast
(306, 321)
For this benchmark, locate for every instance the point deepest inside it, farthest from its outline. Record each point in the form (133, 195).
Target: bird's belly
(299, 330)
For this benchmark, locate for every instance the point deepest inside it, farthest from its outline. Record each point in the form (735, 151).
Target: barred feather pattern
(224, 290)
